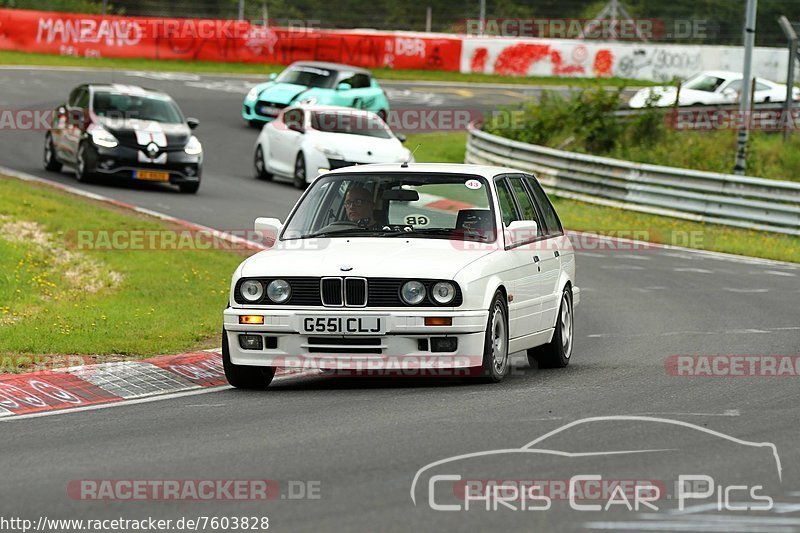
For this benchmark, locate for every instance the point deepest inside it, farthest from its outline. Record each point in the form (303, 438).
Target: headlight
(330, 153)
(252, 290)
(102, 137)
(311, 100)
(193, 147)
(278, 291)
(412, 292)
(252, 94)
(444, 292)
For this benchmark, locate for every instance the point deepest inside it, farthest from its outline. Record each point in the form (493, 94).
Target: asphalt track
(364, 439)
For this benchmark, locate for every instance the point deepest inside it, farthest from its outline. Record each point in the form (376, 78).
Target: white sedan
(711, 88)
(419, 267)
(305, 141)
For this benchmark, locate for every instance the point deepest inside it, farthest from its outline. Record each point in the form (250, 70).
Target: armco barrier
(741, 201)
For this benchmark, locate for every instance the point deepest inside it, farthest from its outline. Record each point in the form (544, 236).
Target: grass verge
(8, 57)
(57, 297)
(581, 216)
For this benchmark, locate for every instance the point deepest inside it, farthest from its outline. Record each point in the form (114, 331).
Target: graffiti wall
(227, 40)
(644, 61)
(220, 40)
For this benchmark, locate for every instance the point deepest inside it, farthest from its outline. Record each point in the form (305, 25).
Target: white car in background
(442, 266)
(307, 140)
(710, 88)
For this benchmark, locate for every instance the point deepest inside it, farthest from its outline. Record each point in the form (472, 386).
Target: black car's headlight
(102, 137)
(193, 147)
(279, 290)
(252, 290)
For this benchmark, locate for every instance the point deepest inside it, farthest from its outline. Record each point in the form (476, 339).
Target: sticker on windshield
(417, 220)
(473, 184)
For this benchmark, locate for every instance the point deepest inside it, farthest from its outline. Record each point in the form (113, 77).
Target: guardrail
(741, 201)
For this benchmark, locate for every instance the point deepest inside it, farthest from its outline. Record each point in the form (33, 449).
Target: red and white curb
(86, 386)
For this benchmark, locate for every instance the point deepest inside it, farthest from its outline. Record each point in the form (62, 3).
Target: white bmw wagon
(412, 266)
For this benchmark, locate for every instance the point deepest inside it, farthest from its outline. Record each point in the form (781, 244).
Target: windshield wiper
(444, 232)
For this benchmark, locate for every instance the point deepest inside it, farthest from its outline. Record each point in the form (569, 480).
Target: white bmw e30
(446, 265)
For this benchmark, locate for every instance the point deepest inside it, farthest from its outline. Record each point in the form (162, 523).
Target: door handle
(556, 254)
(535, 258)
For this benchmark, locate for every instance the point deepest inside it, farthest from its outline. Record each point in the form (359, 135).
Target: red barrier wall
(219, 40)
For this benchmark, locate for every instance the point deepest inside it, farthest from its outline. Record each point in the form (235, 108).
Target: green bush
(585, 122)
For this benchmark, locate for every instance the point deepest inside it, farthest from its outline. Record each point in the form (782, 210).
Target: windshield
(703, 82)
(414, 205)
(307, 76)
(157, 108)
(350, 122)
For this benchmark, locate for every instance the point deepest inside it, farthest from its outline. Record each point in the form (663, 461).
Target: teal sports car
(314, 82)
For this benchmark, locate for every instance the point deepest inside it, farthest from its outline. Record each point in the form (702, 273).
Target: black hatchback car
(124, 131)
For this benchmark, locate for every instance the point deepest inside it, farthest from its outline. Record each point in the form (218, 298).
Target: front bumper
(124, 161)
(406, 339)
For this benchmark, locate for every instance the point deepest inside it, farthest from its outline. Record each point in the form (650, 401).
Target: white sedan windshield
(417, 205)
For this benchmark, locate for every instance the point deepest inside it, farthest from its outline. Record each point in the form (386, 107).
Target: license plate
(343, 325)
(269, 110)
(151, 175)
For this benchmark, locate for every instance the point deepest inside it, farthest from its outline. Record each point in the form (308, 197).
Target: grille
(346, 345)
(276, 105)
(331, 291)
(355, 292)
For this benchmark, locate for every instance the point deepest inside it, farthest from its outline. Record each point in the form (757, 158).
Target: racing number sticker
(417, 220)
(473, 184)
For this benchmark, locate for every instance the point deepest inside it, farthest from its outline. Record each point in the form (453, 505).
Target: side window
(83, 99)
(548, 212)
(507, 208)
(762, 87)
(356, 81)
(73, 96)
(525, 202)
(294, 119)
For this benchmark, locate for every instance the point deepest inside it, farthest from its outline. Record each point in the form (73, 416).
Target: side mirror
(401, 137)
(269, 228)
(521, 231)
(77, 117)
(272, 76)
(192, 122)
(729, 93)
(344, 87)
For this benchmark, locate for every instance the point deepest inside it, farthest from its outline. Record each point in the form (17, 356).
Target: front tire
(82, 172)
(557, 353)
(495, 345)
(245, 377)
(261, 165)
(189, 188)
(300, 172)
(51, 161)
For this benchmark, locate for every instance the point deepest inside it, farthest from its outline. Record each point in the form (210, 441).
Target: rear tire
(260, 165)
(245, 377)
(300, 172)
(51, 161)
(495, 345)
(557, 353)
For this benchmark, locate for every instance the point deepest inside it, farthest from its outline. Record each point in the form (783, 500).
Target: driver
(360, 207)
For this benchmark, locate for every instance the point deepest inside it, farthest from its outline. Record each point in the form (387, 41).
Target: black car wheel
(82, 164)
(300, 172)
(189, 188)
(51, 162)
(261, 165)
